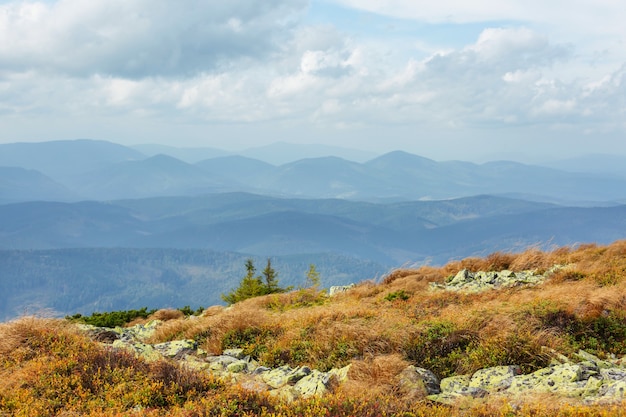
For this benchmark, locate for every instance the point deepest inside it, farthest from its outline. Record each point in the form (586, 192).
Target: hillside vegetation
(50, 368)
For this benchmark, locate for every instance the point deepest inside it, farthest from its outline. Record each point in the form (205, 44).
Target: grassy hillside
(49, 368)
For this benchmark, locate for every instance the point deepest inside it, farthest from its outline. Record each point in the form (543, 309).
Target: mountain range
(91, 224)
(98, 170)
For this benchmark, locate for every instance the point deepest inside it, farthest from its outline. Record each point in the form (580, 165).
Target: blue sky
(528, 80)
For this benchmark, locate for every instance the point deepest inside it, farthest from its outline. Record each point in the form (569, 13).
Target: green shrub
(397, 295)
(113, 318)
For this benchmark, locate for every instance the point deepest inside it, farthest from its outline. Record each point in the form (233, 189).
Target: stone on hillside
(235, 353)
(141, 331)
(316, 383)
(611, 392)
(416, 381)
(588, 357)
(341, 374)
(192, 362)
(220, 363)
(494, 379)
(176, 348)
(613, 374)
(143, 350)
(286, 393)
(565, 379)
(454, 383)
(452, 397)
(338, 289)
(462, 277)
(285, 375)
(255, 385)
(237, 367)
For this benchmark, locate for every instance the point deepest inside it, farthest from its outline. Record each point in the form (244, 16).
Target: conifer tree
(312, 277)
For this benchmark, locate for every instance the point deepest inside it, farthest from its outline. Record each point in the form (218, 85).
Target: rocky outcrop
(286, 382)
(338, 289)
(587, 379)
(590, 381)
(468, 281)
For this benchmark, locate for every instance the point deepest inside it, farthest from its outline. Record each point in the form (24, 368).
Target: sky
(528, 80)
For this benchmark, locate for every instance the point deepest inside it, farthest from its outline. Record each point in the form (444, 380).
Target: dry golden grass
(580, 306)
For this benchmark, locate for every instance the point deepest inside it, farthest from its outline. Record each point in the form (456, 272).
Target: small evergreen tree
(249, 286)
(271, 278)
(312, 277)
(252, 285)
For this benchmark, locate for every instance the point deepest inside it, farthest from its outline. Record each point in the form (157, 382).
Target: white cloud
(254, 62)
(140, 38)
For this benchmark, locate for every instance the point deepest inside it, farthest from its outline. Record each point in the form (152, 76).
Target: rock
(450, 398)
(220, 363)
(338, 289)
(418, 381)
(235, 353)
(471, 282)
(316, 383)
(341, 374)
(285, 375)
(588, 357)
(144, 350)
(286, 393)
(176, 348)
(255, 385)
(494, 379)
(141, 331)
(237, 367)
(614, 391)
(454, 383)
(613, 374)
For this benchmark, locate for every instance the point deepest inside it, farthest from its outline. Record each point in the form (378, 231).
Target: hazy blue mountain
(63, 158)
(562, 226)
(410, 215)
(593, 163)
(286, 233)
(156, 176)
(236, 168)
(103, 171)
(414, 177)
(280, 153)
(327, 177)
(189, 155)
(19, 184)
(390, 234)
(43, 225)
(68, 281)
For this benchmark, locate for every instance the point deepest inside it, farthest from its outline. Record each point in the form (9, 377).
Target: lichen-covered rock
(452, 397)
(588, 357)
(467, 281)
(454, 383)
(316, 383)
(220, 363)
(235, 353)
(494, 379)
(612, 391)
(176, 348)
(340, 374)
(285, 375)
(338, 289)
(237, 367)
(417, 381)
(144, 350)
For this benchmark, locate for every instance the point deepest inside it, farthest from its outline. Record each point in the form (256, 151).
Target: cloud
(140, 38)
(211, 63)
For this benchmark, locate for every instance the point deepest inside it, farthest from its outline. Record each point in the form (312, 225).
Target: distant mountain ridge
(98, 170)
(389, 234)
(91, 224)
